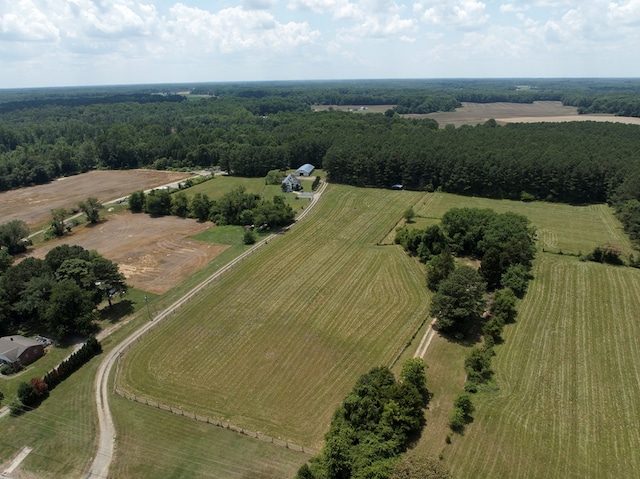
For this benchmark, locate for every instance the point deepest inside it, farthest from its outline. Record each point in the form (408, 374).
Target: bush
(456, 420)
(27, 394)
(16, 407)
(249, 237)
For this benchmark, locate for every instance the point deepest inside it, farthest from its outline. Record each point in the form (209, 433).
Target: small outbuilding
(305, 170)
(18, 351)
(291, 183)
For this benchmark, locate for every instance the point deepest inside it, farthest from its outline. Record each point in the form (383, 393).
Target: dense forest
(252, 128)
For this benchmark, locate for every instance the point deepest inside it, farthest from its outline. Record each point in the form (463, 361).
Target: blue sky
(97, 42)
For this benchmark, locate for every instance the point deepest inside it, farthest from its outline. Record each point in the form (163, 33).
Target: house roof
(307, 168)
(11, 347)
(291, 178)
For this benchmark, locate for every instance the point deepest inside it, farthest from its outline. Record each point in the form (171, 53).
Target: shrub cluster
(66, 368)
(373, 426)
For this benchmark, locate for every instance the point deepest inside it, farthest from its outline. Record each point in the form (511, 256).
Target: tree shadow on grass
(117, 311)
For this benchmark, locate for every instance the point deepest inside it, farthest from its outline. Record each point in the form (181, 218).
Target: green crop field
(560, 227)
(275, 344)
(569, 381)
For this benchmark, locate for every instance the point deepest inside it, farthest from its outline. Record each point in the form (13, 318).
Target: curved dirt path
(106, 442)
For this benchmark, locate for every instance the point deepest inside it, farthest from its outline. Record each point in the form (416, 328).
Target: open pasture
(560, 227)
(276, 343)
(33, 205)
(569, 381)
(155, 444)
(154, 254)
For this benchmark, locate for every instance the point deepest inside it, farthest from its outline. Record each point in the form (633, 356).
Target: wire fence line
(172, 310)
(191, 415)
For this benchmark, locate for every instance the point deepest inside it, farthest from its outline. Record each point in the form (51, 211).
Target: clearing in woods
(33, 204)
(568, 379)
(276, 343)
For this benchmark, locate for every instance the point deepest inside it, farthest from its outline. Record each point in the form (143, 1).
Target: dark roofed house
(305, 170)
(19, 351)
(291, 183)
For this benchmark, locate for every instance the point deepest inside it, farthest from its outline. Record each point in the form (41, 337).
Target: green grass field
(569, 381)
(156, 444)
(560, 227)
(276, 343)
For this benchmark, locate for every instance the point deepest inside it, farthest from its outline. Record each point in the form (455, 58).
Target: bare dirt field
(155, 254)
(475, 113)
(33, 204)
(539, 111)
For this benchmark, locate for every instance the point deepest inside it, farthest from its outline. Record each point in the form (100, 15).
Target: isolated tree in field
(409, 215)
(91, 208)
(439, 268)
(249, 237)
(58, 216)
(136, 201)
(12, 236)
(459, 300)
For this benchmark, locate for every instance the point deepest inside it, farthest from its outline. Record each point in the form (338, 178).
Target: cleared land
(502, 112)
(276, 344)
(569, 381)
(32, 205)
(155, 254)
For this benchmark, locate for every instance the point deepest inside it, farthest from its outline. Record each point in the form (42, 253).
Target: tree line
(234, 208)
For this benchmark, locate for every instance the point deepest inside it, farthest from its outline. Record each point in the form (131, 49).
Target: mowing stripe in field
(276, 343)
(569, 380)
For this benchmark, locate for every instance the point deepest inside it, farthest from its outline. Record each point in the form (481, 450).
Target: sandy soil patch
(560, 119)
(155, 254)
(33, 204)
(539, 111)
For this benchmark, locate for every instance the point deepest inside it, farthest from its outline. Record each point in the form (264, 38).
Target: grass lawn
(61, 431)
(569, 381)
(276, 343)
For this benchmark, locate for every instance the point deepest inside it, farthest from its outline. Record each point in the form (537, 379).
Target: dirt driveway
(33, 204)
(155, 254)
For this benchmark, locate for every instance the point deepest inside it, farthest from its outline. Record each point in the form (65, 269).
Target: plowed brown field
(33, 204)
(154, 254)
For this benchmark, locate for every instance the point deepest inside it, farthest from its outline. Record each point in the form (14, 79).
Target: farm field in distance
(568, 379)
(33, 204)
(502, 112)
(276, 343)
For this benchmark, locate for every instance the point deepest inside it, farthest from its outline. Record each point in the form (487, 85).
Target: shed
(305, 170)
(19, 351)
(291, 183)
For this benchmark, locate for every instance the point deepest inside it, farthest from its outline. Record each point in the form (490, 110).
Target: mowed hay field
(560, 227)
(155, 444)
(569, 381)
(275, 344)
